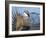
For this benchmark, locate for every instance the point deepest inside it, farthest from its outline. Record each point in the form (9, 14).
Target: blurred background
(34, 18)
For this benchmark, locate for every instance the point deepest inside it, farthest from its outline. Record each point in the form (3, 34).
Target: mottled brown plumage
(20, 22)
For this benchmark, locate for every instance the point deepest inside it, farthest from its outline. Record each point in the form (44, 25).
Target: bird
(26, 12)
